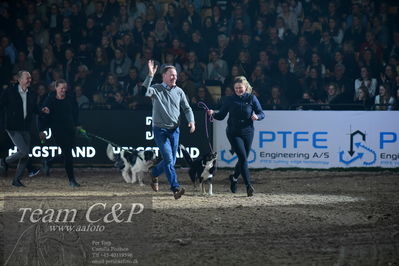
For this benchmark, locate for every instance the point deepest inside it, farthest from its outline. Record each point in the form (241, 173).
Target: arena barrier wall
(318, 139)
(129, 129)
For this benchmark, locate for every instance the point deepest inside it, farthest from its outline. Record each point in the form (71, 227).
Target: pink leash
(207, 118)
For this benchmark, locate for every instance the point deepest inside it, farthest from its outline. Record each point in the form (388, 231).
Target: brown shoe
(178, 193)
(155, 184)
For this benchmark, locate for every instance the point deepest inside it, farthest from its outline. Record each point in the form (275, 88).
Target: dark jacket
(63, 113)
(11, 104)
(240, 110)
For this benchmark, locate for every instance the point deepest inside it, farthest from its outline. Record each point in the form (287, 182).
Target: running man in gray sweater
(167, 100)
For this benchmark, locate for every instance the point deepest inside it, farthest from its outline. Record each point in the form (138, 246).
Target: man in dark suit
(19, 104)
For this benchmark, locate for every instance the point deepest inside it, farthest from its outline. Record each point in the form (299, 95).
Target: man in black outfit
(19, 105)
(60, 113)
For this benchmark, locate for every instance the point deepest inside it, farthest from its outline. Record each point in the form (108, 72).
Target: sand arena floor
(295, 218)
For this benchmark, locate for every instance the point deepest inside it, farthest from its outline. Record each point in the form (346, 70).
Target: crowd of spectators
(297, 54)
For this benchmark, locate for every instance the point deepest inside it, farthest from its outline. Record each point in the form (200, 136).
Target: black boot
(233, 184)
(73, 183)
(3, 167)
(17, 183)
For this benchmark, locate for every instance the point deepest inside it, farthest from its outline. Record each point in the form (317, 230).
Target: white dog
(132, 163)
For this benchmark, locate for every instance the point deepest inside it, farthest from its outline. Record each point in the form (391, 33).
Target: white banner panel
(318, 139)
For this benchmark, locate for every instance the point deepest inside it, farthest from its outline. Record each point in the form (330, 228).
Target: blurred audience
(301, 47)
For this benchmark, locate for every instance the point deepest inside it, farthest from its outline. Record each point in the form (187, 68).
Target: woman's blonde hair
(243, 80)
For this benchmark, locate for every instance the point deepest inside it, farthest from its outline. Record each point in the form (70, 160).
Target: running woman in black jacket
(61, 115)
(243, 108)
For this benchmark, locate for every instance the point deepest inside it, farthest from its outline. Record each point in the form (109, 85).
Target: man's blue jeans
(167, 141)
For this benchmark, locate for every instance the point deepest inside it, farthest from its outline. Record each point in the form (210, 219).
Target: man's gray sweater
(166, 104)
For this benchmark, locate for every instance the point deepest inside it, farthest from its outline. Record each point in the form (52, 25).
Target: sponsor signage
(127, 129)
(318, 139)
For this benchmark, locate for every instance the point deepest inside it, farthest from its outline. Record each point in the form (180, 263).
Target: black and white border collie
(201, 169)
(132, 163)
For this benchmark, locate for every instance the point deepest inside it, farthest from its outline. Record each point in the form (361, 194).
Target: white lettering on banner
(142, 136)
(52, 151)
(78, 152)
(193, 151)
(149, 134)
(12, 151)
(119, 149)
(48, 133)
(36, 152)
(318, 139)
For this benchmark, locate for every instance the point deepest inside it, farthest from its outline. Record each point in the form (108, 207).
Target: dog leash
(209, 118)
(91, 135)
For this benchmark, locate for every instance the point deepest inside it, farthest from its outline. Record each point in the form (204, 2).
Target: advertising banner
(127, 129)
(318, 139)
